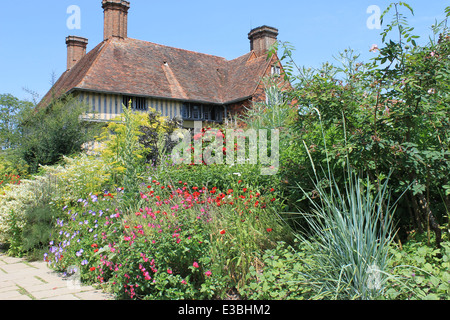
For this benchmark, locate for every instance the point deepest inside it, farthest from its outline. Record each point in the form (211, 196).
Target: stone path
(22, 280)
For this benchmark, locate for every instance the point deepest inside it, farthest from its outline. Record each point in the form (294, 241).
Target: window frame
(203, 112)
(137, 103)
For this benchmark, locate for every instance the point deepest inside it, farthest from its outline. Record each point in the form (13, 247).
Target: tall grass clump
(349, 236)
(348, 231)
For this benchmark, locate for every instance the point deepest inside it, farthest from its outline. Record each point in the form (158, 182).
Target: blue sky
(33, 32)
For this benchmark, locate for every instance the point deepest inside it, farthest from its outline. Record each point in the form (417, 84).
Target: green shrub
(81, 231)
(419, 272)
(49, 133)
(280, 275)
(30, 207)
(18, 200)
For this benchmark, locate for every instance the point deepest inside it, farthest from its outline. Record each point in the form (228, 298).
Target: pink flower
(183, 281)
(169, 271)
(374, 48)
(195, 264)
(208, 273)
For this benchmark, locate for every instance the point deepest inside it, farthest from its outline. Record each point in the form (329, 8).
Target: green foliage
(81, 230)
(18, 200)
(15, 246)
(395, 109)
(280, 275)
(49, 133)
(37, 230)
(28, 208)
(78, 177)
(11, 165)
(420, 272)
(11, 112)
(348, 233)
(180, 244)
(130, 144)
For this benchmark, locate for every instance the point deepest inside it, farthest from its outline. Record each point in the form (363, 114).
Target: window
(137, 103)
(276, 70)
(202, 112)
(197, 113)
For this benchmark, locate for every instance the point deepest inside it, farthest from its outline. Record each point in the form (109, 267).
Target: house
(175, 82)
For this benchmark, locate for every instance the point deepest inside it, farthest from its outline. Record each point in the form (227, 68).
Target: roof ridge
(180, 49)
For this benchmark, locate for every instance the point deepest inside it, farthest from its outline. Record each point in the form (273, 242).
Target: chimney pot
(115, 18)
(262, 38)
(76, 49)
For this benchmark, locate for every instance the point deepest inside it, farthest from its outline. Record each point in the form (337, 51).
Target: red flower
(269, 229)
(92, 269)
(222, 231)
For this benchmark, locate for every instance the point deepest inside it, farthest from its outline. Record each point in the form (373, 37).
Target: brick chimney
(76, 49)
(115, 18)
(262, 38)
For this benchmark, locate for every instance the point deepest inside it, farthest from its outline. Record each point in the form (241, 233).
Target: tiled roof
(135, 67)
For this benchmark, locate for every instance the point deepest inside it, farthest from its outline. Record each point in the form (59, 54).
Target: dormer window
(276, 70)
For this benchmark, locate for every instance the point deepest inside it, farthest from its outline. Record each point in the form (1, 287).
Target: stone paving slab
(22, 280)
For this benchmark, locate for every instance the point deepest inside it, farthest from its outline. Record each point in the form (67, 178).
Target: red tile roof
(135, 67)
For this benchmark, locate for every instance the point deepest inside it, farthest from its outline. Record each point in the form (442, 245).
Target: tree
(11, 111)
(51, 132)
